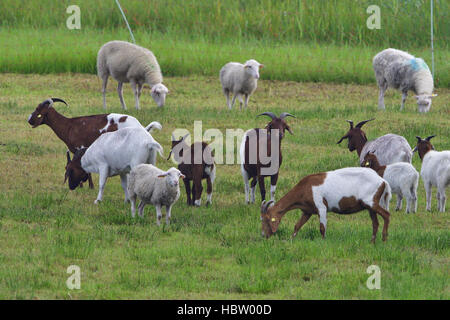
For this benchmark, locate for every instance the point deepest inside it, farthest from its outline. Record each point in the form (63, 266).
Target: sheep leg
(227, 95)
(123, 182)
(133, 205)
(262, 187)
(399, 202)
(428, 195)
(104, 84)
(375, 225)
(139, 90)
(438, 198)
(385, 215)
(141, 209)
(120, 92)
(232, 102)
(383, 88)
(136, 94)
(158, 214)
(305, 217)
(208, 191)
(168, 212)
(253, 190)
(404, 95)
(247, 97)
(187, 186)
(101, 184)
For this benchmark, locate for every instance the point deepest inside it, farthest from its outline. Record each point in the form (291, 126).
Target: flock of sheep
(117, 144)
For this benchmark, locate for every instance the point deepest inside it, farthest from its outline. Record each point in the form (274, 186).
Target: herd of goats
(117, 144)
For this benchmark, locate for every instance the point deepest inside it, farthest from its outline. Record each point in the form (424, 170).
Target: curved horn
(265, 205)
(351, 123)
(418, 138)
(58, 100)
(285, 114)
(429, 138)
(270, 114)
(359, 125)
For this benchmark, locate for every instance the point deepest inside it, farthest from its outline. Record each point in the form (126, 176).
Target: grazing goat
(195, 163)
(390, 148)
(153, 186)
(435, 170)
(402, 177)
(113, 153)
(343, 191)
(257, 161)
(82, 131)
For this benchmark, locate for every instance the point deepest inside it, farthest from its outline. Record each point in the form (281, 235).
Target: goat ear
(68, 156)
(289, 129)
(344, 137)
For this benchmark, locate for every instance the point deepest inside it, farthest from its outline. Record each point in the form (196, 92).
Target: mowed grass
(214, 252)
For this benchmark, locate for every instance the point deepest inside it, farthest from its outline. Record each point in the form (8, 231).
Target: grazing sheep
(127, 62)
(257, 161)
(113, 153)
(195, 168)
(343, 191)
(390, 148)
(435, 170)
(403, 179)
(400, 70)
(153, 186)
(239, 80)
(81, 131)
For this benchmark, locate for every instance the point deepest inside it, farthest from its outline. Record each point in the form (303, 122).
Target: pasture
(215, 252)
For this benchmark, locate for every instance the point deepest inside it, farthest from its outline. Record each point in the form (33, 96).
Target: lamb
(400, 70)
(343, 191)
(403, 179)
(82, 131)
(257, 160)
(113, 153)
(154, 186)
(389, 148)
(435, 170)
(127, 62)
(239, 80)
(195, 168)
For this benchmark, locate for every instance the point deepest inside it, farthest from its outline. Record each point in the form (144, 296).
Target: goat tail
(386, 196)
(156, 146)
(153, 125)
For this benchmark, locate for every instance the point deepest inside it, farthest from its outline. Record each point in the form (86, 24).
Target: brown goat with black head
(256, 155)
(82, 131)
(195, 163)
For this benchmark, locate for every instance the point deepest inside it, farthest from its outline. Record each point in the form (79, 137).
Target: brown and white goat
(257, 161)
(82, 131)
(343, 191)
(390, 148)
(195, 163)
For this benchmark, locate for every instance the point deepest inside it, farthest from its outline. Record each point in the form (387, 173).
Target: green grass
(61, 50)
(214, 252)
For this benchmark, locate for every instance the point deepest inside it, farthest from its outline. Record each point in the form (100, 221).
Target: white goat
(127, 62)
(113, 153)
(403, 179)
(154, 186)
(435, 171)
(239, 79)
(344, 191)
(400, 70)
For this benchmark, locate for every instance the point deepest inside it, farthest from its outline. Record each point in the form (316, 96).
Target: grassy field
(214, 252)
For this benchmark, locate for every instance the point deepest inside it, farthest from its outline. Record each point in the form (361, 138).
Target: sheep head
(172, 177)
(39, 116)
(74, 171)
(252, 67)
(424, 102)
(356, 136)
(423, 146)
(158, 93)
(278, 123)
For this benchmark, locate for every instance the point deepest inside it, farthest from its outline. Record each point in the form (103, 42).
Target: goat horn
(359, 125)
(351, 123)
(429, 138)
(265, 205)
(58, 100)
(285, 114)
(418, 138)
(270, 114)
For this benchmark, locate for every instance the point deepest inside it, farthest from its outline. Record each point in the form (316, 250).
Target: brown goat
(253, 167)
(82, 131)
(195, 169)
(356, 137)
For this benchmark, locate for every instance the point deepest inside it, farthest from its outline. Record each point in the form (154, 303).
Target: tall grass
(404, 23)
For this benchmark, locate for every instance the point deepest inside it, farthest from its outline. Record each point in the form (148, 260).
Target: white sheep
(154, 186)
(127, 62)
(435, 170)
(239, 80)
(113, 153)
(403, 179)
(401, 70)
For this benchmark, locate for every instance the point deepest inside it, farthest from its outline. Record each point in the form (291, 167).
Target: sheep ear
(163, 175)
(182, 176)
(261, 66)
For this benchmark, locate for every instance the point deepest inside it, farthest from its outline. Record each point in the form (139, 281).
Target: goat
(343, 191)
(402, 177)
(254, 164)
(195, 169)
(82, 131)
(113, 153)
(435, 170)
(390, 148)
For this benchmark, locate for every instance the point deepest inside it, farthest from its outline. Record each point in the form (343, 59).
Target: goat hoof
(97, 201)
